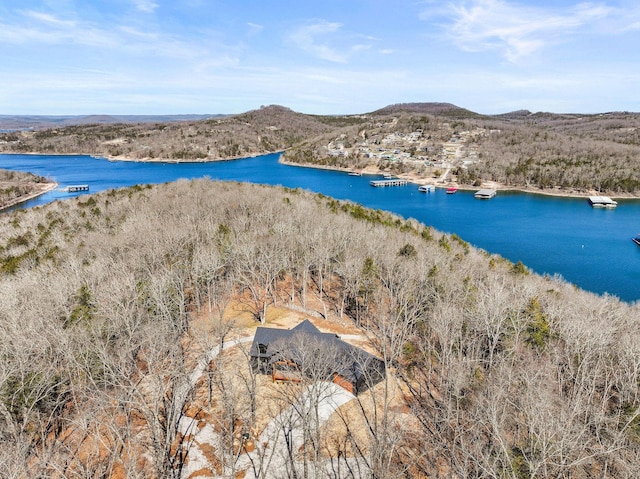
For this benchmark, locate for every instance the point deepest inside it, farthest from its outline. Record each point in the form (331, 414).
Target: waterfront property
(485, 194)
(602, 202)
(304, 351)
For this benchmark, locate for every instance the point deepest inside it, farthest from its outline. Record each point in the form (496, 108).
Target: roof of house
(349, 361)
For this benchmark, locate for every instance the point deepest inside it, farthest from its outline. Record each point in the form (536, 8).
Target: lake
(589, 247)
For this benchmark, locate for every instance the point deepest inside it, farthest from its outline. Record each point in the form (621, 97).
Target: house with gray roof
(304, 352)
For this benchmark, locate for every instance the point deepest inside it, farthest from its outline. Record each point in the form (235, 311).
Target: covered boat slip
(602, 202)
(389, 182)
(485, 194)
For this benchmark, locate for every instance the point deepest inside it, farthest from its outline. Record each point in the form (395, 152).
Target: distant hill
(436, 109)
(29, 122)
(265, 130)
(513, 115)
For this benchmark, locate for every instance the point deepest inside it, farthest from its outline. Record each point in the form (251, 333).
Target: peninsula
(17, 187)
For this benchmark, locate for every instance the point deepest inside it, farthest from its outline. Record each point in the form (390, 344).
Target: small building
(303, 351)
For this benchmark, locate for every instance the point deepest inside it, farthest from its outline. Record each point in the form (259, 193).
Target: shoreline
(143, 160)
(414, 179)
(49, 187)
(367, 170)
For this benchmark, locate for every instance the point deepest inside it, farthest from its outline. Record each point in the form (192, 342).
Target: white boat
(426, 188)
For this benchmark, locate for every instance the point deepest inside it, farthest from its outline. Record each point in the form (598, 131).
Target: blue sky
(324, 57)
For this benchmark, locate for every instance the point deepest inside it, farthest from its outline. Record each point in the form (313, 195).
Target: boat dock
(485, 194)
(76, 188)
(394, 182)
(602, 202)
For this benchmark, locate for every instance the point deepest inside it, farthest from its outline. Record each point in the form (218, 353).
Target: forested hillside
(111, 305)
(266, 130)
(582, 152)
(568, 154)
(441, 142)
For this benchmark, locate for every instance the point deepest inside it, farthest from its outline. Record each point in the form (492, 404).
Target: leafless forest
(582, 152)
(566, 153)
(256, 132)
(502, 373)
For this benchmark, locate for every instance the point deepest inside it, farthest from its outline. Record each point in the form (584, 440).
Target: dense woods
(543, 151)
(582, 152)
(109, 303)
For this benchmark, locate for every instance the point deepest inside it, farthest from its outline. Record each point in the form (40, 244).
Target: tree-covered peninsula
(127, 321)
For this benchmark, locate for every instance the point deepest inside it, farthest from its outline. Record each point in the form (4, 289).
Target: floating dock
(76, 188)
(394, 182)
(485, 194)
(602, 202)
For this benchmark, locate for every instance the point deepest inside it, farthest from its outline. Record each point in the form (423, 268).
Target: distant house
(303, 351)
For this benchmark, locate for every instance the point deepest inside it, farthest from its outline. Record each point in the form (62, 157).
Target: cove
(589, 247)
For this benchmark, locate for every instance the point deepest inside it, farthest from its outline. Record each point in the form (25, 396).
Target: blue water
(589, 247)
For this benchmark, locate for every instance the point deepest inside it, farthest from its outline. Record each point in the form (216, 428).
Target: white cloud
(147, 6)
(39, 29)
(254, 28)
(48, 19)
(45, 29)
(307, 39)
(327, 41)
(512, 29)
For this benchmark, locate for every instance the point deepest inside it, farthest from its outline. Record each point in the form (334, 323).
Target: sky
(80, 57)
